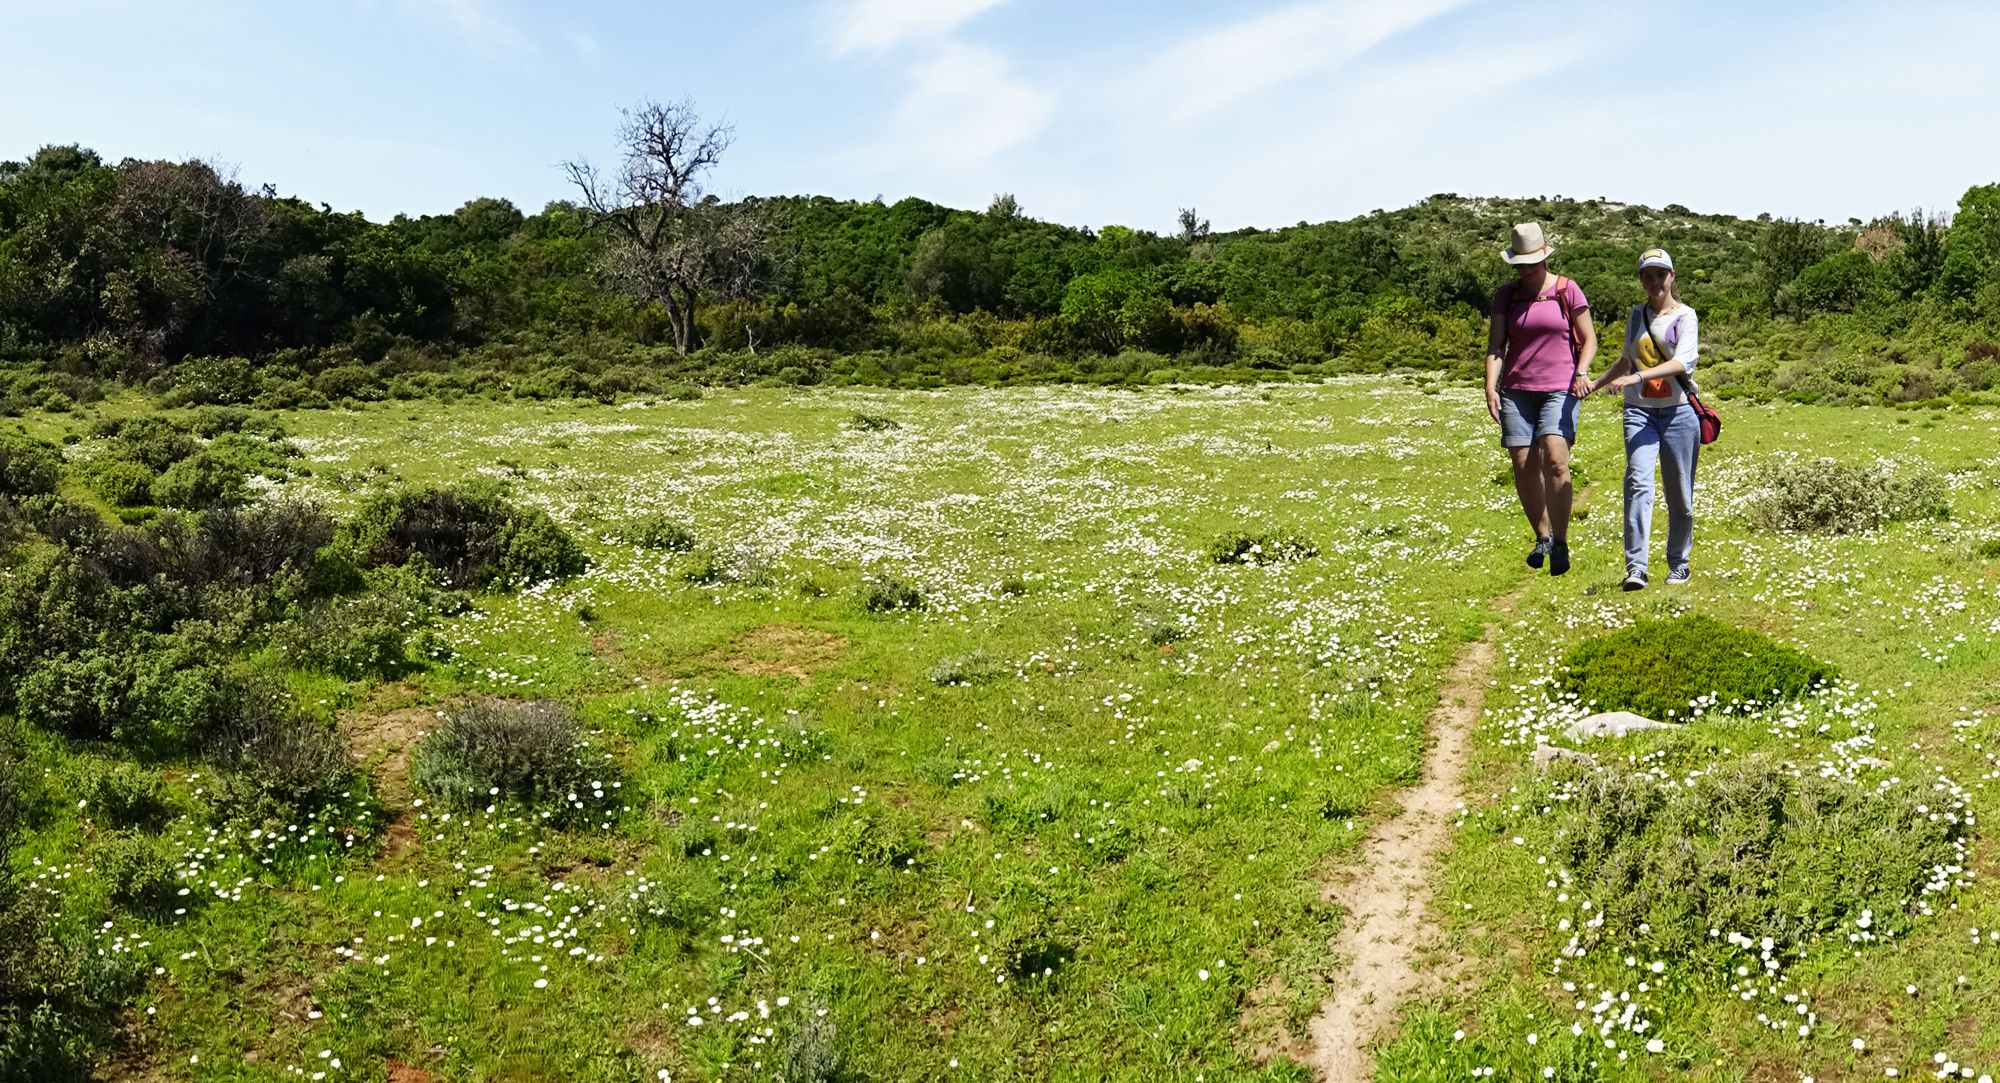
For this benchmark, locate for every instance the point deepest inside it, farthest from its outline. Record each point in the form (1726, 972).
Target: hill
(176, 273)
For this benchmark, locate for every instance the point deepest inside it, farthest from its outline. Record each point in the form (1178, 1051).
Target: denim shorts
(1527, 416)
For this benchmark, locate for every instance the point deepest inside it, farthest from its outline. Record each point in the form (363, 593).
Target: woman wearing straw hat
(1538, 354)
(1661, 342)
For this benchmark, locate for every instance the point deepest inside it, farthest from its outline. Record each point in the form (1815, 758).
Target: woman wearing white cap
(1653, 370)
(1538, 352)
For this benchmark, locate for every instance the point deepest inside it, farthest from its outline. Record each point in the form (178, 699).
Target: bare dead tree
(672, 242)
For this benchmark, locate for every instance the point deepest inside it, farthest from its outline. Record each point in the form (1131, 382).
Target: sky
(1091, 113)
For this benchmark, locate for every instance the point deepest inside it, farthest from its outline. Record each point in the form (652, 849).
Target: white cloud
(475, 22)
(875, 25)
(965, 103)
(1218, 68)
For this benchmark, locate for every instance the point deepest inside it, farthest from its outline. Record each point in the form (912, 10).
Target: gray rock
(1547, 756)
(1614, 724)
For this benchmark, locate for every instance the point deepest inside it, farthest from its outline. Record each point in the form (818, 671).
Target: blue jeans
(1670, 437)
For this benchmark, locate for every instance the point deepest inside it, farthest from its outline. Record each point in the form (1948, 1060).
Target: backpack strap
(1562, 301)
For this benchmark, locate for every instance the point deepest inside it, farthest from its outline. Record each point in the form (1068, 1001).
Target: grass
(1081, 864)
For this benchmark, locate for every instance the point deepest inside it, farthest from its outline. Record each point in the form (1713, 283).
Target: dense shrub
(157, 691)
(202, 480)
(126, 484)
(729, 564)
(888, 594)
(1659, 668)
(139, 869)
(210, 422)
(661, 531)
(1823, 495)
(1246, 548)
(473, 536)
(59, 996)
(155, 441)
(279, 764)
(120, 794)
(364, 636)
(491, 750)
(1751, 849)
(864, 421)
(28, 467)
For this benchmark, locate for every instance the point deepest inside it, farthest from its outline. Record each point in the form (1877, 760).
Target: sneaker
(1559, 557)
(1635, 580)
(1679, 576)
(1536, 554)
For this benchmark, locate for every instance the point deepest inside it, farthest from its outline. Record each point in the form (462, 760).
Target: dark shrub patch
(661, 532)
(493, 750)
(280, 763)
(121, 794)
(1659, 668)
(867, 422)
(141, 874)
(1243, 548)
(473, 536)
(889, 594)
(1990, 549)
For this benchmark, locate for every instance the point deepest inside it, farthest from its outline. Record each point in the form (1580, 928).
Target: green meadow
(1010, 734)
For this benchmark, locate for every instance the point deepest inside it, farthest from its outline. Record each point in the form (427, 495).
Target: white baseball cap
(1656, 257)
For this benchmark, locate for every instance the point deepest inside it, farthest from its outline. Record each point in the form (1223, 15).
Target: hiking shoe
(1679, 576)
(1559, 556)
(1635, 580)
(1536, 554)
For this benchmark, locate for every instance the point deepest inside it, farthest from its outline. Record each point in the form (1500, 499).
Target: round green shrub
(126, 484)
(491, 750)
(660, 531)
(201, 481)
(1661, 668)
(28, 467)
(1795, 494)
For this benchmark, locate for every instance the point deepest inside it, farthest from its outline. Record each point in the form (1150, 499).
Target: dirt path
(1387, 927)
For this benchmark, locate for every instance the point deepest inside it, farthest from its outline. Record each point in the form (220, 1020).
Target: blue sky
(1257, 113)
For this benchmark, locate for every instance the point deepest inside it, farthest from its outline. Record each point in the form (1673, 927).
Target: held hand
(1493, 405)
(1581, 387)
(1625, 381)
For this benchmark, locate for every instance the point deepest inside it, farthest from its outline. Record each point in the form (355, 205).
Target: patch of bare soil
(381, 733)
(404, 1073)
(780, 650)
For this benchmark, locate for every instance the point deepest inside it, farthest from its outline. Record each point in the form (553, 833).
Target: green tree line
(175, 272)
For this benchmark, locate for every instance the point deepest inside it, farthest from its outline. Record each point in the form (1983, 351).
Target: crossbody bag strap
(1679, 377)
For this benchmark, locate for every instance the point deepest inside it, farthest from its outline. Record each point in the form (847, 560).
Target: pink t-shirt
(1539, 354)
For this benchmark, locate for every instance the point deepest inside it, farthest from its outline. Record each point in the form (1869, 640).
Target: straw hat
(1529, 245)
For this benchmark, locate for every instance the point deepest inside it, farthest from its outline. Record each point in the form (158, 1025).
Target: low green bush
(28, 467)
(120, 794)
(278, 764)
(660, 531)
(354, 638)
(490, 750)
(888, 594)
(1675, 666)
(122, 482)
(1826, 496)
(1753, 849)
(966, 669)
(139, 870)
(203, 480)
(152, 440)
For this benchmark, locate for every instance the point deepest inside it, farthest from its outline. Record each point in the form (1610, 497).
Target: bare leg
(1528, 485)
(1556, 483)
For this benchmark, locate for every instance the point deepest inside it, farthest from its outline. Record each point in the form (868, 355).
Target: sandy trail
(1388, 926)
